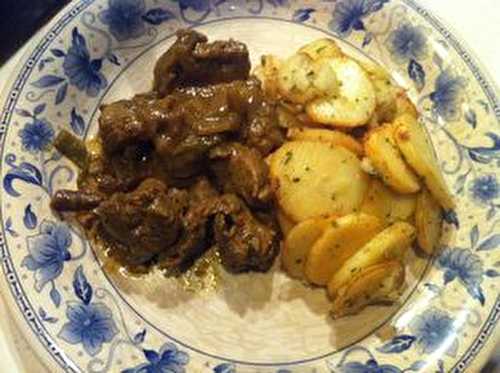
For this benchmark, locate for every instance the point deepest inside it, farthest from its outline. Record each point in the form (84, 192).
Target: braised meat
(192, 61)
(241, 170)
(178, 170)
(145, 221)
(245, 243)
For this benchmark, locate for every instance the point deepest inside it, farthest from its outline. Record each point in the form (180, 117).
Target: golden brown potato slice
(329, 136)
(380, 147)
(418, 152)
(379, 283)
(298, 243)
(355, 102)
(391, 243)
(321, 48)
(428, 221)
(286, 224)
(338, 243)
(387, 205)
(405, 106)
(314, 179)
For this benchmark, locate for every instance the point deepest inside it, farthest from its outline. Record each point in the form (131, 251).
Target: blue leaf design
(113, 59)
(491, 213)
(434, 288)
(39, 109)
(477, 293)
(397, 344)
(478, 157)
(42, 313)
(485, 105)
(225, 368)
(490, 243)
(417, 365)
(77, 122)
(61, 93)
(474, 236)
(471, 118)
(8, 227)
(417, 74)
(47, 81)
(450, 217)
(45, 317)
(367, 39)
(25, 172)
(492, 273)
(55, 296)
(449, 276)
(43, 62)
(57, 52)
(302, 15)
(23, 113)
(151, 355)
(81, 286)
(156, 16)
(30, 220)
(139, 337)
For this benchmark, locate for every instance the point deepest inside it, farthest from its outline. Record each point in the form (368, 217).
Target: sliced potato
(355, 102)
(405, 106)
(428, 221)
(379, 283)
(314, 179)
(268, 72)
(301, 79)
(298, 243)
(418, 152)
(329, 136)
(286, 224)
(340, 241)
(387, 205)
(321, 48)
(380, 147)
(391, 243)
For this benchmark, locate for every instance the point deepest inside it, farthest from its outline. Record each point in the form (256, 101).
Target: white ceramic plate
(81, 318)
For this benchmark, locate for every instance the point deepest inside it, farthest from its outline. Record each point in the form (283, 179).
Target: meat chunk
(192, 61)
(242, 170)
(245, 243)
(68, 200)
(145, 222)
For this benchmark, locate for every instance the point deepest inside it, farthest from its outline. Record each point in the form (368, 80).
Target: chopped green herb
(320, 49)
(296, 179)
(288, 157)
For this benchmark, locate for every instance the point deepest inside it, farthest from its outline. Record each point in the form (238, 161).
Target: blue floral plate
(82, 317)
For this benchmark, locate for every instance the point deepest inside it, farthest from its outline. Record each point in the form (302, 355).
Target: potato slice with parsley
(298, 242)
(428, 221)
(321, 48)
(381, 148)
(387, 205)
(390, 244)
(314, 179)
(338, 243)
(328, 136)
(355, 102)
(380, 283)
(418, 152)
(268, 72)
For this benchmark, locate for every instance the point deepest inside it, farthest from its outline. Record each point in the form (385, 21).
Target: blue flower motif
(196, 5)
(47, 252)
(432, 328)
(485, 189)
(461, 264)
(124, 18)
(37, 135)
(408, 42)
(83, 72)
(447, 95)
(89, 324)
(168, 360)
(348, 14)
(371, 366)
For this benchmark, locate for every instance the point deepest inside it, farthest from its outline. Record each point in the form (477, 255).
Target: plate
(80, 317)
